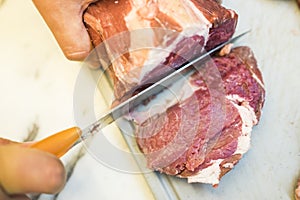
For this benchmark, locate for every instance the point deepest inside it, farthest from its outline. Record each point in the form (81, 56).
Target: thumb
(26, 170)
(64, 19)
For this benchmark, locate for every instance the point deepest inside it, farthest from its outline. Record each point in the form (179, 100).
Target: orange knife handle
(59, 143)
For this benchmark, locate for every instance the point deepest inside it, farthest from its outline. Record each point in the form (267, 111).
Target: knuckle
(56, 176)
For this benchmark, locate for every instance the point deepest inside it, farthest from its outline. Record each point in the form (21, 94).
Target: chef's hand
(27, 170)
(64, 18)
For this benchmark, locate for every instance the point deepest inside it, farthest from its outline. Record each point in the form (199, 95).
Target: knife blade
(59, 143)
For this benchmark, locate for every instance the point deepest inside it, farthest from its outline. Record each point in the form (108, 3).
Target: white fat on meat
(188, 16)
(165, 99)
(211, 174)
(173, 94)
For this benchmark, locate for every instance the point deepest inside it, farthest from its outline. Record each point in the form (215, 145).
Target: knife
(59, 143)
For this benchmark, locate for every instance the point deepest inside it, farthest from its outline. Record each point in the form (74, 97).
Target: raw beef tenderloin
(204, 135)
(171, 32)
(204, 131)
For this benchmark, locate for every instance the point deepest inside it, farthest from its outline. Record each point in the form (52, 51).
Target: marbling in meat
(171, 32)
(204, 135)
(203, 132)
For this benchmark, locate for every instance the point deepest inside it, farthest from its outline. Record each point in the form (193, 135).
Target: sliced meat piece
(145, 39)
(204, 135)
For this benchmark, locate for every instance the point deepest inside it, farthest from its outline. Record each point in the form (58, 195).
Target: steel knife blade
(58, 144)
(124, 107)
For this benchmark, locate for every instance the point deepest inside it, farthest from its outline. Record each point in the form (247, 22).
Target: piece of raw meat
(204, 130)
(145, 39)
(208, 130)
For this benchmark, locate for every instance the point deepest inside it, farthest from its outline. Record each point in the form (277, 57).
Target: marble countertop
(37, 87)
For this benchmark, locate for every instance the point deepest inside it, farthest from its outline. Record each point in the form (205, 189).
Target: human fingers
(4, 196)
(64, 19)
(25, 170)
(4, 141)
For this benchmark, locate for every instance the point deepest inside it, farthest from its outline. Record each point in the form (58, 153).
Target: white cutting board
(268, 171)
